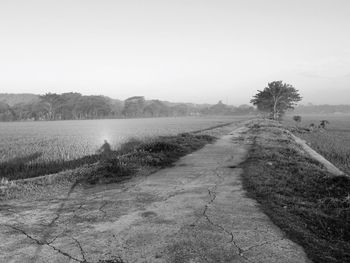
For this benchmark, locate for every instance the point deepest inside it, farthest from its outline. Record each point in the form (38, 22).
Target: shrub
(297, 118)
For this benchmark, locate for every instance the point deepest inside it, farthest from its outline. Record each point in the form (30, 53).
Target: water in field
(64, 140)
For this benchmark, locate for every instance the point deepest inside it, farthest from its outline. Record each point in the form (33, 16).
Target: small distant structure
(105, 149)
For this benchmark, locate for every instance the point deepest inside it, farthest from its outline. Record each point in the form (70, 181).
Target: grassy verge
(136, 155)
(310, 205)
(20, 168)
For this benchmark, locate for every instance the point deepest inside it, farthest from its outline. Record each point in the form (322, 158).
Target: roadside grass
(20, 168)
(310, 205)
(136, 155)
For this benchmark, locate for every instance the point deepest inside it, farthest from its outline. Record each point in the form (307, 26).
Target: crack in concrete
(82, 252)
(101, 209)
(48, 231)
(49, 244)
(45, 243)
(262, 244)
(213, 196)
(171, 196)
(81, 206)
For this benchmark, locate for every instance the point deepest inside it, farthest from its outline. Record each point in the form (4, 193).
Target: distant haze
(197, 51)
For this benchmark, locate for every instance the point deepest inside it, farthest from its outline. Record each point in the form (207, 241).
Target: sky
(199, 51)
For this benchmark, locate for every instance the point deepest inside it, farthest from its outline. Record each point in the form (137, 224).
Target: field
(68, 140)
(333, 142)
(31, 149)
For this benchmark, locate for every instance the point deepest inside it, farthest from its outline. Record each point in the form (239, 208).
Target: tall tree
(276, 99)
(134, 106)
(155, 108)
(52, 102)
(6, 113)
(68, 106)
(91, 107)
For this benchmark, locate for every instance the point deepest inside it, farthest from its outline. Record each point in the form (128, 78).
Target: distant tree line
(66, 106)
(321, 109)
(75, 106)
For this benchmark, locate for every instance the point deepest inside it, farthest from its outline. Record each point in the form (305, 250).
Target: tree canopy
(276, 99)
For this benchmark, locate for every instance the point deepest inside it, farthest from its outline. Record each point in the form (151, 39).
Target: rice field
(68, 140)
(333, 142)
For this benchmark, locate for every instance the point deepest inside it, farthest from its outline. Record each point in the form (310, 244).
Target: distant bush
(297, 118)
(323, 124)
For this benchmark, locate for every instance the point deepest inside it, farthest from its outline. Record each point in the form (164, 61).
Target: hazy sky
(180, 50)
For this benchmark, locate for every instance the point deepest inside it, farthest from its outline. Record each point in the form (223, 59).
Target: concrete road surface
(193, 212)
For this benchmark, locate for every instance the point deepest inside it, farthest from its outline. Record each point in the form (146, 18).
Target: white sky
(181, 50)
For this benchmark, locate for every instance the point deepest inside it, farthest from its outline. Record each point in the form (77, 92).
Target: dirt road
(195, 211)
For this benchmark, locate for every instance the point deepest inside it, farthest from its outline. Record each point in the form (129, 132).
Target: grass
(333, 145)
(310, 205)
(70, 140)
(21, 168)
(136, 155)
(333, 142)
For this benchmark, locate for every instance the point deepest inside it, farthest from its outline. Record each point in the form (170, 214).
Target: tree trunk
(275, 113)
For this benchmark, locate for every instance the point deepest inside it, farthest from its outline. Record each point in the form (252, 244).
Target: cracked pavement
(193, 212)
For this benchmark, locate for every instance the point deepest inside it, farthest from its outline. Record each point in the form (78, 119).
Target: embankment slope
(302, 193)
